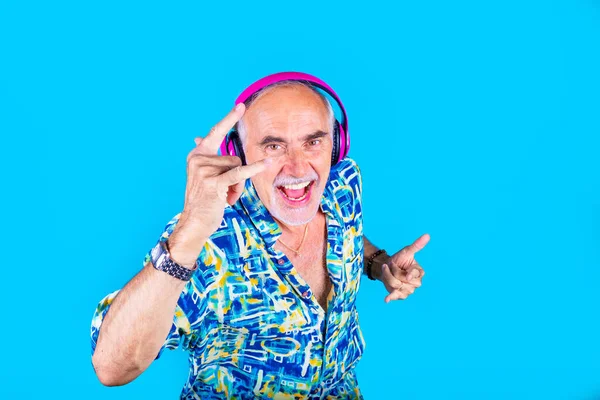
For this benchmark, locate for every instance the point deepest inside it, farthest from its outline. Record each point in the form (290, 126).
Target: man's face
(291, 125)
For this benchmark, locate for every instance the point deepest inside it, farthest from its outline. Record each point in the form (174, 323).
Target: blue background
(477, 122)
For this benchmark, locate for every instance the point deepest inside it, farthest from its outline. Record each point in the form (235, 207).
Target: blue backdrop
(477, 122)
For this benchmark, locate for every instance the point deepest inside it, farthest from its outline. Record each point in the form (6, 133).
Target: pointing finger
(418, 244)
(211, 143)
(402, 292)
(396, 295)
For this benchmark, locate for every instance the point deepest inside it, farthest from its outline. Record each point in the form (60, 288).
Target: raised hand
(213, 182)
(401, 274)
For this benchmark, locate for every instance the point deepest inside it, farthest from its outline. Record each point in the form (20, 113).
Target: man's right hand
(213, 181)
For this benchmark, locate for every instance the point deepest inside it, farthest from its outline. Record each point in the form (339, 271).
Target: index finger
(419, 244)
(243, 172)
(213, 140)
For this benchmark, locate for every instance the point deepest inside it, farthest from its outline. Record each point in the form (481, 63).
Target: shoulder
(345, 191)
(346, 171)
(346, 182)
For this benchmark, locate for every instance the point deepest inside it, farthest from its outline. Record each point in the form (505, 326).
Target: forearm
(369, 250)
(135, 326)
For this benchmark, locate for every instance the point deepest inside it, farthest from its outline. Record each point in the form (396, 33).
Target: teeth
(296, 187)
(295, 199)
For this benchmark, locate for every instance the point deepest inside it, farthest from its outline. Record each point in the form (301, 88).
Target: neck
(292, 230)
(295, 230)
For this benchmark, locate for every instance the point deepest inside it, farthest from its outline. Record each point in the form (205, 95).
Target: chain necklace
(301, 243)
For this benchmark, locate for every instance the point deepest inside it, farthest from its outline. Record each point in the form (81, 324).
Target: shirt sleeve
(180, 331)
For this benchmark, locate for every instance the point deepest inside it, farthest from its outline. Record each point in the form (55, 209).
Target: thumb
(418, 244)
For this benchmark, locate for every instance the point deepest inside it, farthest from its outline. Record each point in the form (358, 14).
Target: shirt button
(306, 295)
(281, 262)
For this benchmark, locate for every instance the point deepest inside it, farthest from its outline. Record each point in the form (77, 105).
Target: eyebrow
(315, 135)
(277, 139)
(271, 139)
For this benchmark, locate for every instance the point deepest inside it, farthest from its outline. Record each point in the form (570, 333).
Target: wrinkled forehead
(286, 107)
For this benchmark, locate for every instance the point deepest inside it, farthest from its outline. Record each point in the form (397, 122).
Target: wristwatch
(161, 260)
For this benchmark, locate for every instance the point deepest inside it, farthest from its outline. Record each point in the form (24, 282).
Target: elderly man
(257, 276)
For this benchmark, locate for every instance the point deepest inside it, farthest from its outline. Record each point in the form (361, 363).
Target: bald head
(274, 93)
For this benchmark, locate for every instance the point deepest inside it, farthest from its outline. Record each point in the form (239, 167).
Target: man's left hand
(401, 274)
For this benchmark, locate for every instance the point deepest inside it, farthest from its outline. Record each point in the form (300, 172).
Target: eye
(273, 147)
(314, 142)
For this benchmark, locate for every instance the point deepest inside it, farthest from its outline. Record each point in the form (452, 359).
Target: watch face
(161, 260)
(155, 251)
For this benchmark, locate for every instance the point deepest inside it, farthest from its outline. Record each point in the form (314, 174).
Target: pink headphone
(232, 144)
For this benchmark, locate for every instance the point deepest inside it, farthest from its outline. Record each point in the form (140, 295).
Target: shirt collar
(262, 220)
(259, 215)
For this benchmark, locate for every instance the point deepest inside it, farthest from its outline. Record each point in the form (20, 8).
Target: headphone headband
(292, 76)
(341, 135)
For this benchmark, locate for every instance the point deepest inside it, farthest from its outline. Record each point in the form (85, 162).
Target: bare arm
(370, 249)
(140, 317)
(135, 326)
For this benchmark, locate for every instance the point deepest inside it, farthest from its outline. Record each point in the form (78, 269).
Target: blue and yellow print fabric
(251, 325)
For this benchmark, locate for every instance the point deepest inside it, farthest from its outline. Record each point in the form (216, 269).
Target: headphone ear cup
(344, 143)
(227, 148)
(236, 145)
(335, 152)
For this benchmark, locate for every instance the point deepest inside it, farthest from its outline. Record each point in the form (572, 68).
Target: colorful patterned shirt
(251, 324)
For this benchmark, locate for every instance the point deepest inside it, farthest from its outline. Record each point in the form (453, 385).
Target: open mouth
(296, 194)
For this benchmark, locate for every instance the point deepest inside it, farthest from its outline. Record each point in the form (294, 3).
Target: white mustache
(290, 180)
